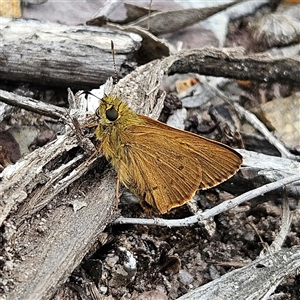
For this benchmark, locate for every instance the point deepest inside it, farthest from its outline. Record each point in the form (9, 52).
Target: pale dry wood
(107, 7)
(63, 239)
(59, 55)
(258, 280)
(274, 167)
(33, 105)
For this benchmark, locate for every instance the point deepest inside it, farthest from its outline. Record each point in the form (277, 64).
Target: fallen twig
(33, 105)
(224, 206)
(257, 280)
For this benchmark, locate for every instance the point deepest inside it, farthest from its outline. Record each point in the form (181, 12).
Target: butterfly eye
(112, 114)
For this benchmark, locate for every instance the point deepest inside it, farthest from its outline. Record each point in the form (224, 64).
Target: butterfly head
(109, 109)
(113, 111)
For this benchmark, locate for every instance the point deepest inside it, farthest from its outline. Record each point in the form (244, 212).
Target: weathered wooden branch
(231, 64)
(60, 55)
(55, 243)
(258, 280)
(33, 105)
(172, 21)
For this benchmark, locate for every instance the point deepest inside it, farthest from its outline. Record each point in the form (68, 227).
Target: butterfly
(161, 165)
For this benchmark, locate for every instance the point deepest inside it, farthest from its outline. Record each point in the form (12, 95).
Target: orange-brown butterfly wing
(157, 173)
(219, 162)
(165, 166)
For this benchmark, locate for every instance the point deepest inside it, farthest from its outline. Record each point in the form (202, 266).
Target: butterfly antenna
(115, 79)
(89, 93)
(149, 13)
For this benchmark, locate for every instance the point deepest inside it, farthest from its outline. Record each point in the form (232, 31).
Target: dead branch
(171, 21)
(232, 64)
(60, 55)
(258, 280)
(33, 105)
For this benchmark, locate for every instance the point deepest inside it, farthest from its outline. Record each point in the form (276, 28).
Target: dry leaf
(165, 22)
(10, 8)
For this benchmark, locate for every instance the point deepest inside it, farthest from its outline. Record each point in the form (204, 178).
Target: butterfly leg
(117, 190)
(89, 125)
(98, 149)
(85, 162)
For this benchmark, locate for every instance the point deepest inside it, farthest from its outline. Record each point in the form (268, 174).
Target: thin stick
(224, 206)
(33, 105)
(258, 125)
(117, 190)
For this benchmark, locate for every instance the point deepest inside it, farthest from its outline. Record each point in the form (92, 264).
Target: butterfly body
(162, 166)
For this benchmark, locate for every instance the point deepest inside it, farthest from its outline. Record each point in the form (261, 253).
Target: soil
(169, 262)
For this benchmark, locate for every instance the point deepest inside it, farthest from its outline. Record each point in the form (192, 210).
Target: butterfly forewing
(219, 162)
(165, 166)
